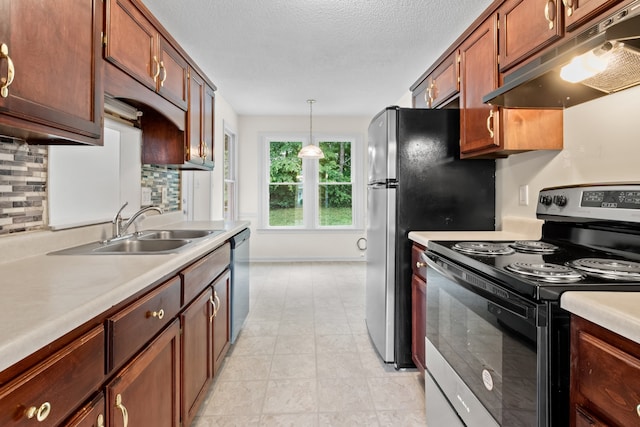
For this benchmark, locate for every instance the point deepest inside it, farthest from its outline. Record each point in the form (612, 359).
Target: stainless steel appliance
(416, 182)
(497, 344)
(240, 282)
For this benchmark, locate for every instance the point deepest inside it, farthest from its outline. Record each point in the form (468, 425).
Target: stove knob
(560, 200)
(546, 200)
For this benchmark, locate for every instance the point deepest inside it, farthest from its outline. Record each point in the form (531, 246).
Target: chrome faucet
(118, 228)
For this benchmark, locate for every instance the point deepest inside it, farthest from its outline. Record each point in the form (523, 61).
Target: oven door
(480, 347)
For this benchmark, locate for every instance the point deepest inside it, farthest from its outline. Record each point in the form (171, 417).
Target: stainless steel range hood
(539, 85)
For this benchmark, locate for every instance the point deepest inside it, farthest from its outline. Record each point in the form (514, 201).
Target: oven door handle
(526, 312)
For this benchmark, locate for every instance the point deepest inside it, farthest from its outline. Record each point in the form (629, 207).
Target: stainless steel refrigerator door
(380, 281)
(382, 147)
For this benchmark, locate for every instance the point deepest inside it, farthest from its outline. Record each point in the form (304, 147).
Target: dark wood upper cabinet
(50, 71)
(578, 12)
(440, 85)
(200, 122)
(526, 27)
(479, 122)
(134, 45)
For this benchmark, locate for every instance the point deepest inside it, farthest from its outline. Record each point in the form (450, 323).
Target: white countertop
(43, 297)
(513, 228)
(617, 311)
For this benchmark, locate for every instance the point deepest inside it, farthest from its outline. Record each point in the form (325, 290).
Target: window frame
(311, 184)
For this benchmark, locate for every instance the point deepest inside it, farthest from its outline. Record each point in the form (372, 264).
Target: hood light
(588, 64)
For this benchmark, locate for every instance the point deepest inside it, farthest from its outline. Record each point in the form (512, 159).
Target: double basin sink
(143, 243)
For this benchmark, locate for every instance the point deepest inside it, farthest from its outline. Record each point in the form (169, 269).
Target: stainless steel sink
(177, 234)
(133, 246)
(145, 243)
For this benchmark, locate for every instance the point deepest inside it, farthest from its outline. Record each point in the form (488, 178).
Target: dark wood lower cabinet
(418, 321)
(91, 415)
(221, 332)
(146, 391)
(197, 359)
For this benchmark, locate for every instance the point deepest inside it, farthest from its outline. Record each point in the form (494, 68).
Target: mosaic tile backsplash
(23, 187)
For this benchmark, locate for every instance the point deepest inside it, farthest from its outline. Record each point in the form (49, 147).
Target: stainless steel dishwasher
(240, 281)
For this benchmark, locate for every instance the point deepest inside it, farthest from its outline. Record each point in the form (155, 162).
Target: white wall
(272, 245)
(601, 144)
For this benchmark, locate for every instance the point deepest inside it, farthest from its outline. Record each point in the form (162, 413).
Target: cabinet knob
(550, 13)
(11, 71)
(40, 413)
(421, 264)
(157, 314)
(123, 409)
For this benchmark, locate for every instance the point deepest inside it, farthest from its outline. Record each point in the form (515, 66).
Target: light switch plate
(523, 198)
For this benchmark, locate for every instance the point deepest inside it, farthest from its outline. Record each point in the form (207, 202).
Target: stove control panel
(611, 202)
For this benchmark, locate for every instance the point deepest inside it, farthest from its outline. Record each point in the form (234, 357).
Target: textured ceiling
(267, 57)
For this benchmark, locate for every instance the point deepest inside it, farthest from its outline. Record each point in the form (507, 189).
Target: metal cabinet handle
(123, 409)
(11, 71)
(638, 410)
(40, 413)
(421, 264)
(164, 73)
(215, 295)
(429, 92)
(100, 421)
(490, 124)
(568, 4)
(158, 314)
(157, 69)
(550, 13)
(215, 309)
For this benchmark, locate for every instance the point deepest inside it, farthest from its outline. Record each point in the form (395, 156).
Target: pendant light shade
(311, 151)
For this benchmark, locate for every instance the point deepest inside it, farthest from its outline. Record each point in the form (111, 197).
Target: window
(230, 204)
(311, 194)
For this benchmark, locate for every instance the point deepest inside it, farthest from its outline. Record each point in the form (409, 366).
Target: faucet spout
(119, 228)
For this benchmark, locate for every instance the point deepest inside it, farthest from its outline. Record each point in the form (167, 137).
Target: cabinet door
(132, 42)
(53, 52)
(444, 81)
(197, 366)
(91, 415)
(208, 117)
(418, 321)
(146, 392)
(527, 26)
(578, 12)
(479, 122)
(221, 320)
(195, 131)
(172, 80)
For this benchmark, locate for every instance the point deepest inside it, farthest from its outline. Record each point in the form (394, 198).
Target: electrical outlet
(523, 198)
(145, 199)
(164, 195)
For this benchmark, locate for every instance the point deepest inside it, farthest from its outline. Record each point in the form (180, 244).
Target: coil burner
(534, 246)
(546, 272)
(605, 268)
(484, 248)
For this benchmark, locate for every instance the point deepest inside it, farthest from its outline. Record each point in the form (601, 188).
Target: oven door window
(491, 349)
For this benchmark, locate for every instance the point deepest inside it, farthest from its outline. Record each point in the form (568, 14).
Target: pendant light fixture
(311, 151)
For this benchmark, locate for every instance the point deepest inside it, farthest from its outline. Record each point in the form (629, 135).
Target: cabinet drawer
(53, 389)
(418, 265)
(609, 378)
(201, 273)
(132, 327)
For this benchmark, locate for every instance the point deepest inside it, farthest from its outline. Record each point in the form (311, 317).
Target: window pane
(336, 165)
(335, 204)
(285, 205)
(285, 184)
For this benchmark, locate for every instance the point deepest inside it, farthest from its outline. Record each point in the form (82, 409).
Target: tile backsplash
(23, 187)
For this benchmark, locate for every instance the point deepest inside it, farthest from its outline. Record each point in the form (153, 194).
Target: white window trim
(233, 169)
(311, 222)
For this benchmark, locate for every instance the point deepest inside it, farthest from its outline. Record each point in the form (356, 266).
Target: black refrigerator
(416, 182)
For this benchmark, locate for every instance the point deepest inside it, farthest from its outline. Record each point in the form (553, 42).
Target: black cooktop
(495, 268)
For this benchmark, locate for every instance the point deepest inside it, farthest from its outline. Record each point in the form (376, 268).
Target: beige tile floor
(304, 357)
